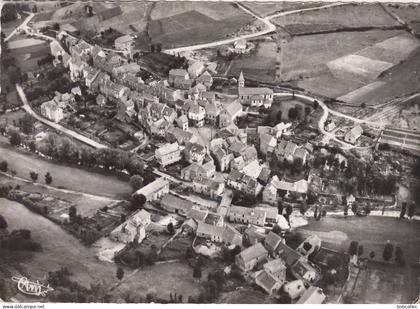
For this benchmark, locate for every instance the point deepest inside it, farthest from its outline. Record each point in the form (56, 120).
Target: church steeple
(241, 80)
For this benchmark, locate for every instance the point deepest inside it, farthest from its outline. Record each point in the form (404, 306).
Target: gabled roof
(176, 202)
(178, 72)
(166, 149)
(253, 91)
(253, 252)
(272, 241)
(275, 266)
(210, 229)
(230, 234)
(265, 280)
(254, 212)
(197, 214)
(152, 187)
(289, 255)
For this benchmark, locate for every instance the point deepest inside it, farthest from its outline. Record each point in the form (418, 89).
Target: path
(24, 25)
(54, 125)
(269, 27)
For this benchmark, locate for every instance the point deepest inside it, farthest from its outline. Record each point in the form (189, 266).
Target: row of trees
(20, 240)
(389, 251)
(48, 178)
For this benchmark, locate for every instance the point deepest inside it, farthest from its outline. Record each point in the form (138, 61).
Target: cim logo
(32, 288)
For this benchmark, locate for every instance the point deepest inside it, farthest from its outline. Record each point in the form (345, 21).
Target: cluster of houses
(54, 109)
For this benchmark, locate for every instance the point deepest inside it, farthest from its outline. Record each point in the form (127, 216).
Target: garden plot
(358, 94)
(358, 68)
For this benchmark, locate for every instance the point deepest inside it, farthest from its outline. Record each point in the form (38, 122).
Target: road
(54, 125)
(269, 27)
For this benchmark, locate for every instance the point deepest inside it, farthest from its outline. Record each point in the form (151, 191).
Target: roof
(254, 90)
(177, 72)
(268, 139)
(140, 217)
(313, 295)
(265, 280)
(233, 108)
(357, 130)
(301, 153)
(197, 214)
(289, 255)
(230, 233)
(300, 186)
(272, 241)
(176, 202)
(253, 252)
(275, 266)
(124, 39)
(182, 119)
(209, 229)
(152, 187)
(209, 183)
(254, 212)
(68, 27)
(195, 147)
(205, 77)
(166, 149)
(253, 169)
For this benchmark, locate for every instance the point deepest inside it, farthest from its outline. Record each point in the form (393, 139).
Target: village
(222, 178)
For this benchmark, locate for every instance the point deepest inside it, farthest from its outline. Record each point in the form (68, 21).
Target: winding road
(54, 125)
(24, 26)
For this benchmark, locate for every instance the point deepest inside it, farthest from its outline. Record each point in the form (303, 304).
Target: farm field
(407, 12)
(174, 24)
(346, 16)
(264, 9)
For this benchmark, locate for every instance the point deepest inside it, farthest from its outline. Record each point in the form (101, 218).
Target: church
(254, 96)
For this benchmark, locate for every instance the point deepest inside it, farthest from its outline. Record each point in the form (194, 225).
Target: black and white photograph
(209, 152)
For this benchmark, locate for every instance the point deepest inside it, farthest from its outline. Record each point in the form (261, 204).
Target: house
(256, 216)
(268, 282)
(231, 236)
(206, 79)
(294, 289)
(52, 111)
(243, 183)
(240, 46)
(179, 78)
(195, 69)
(277, 269)
(281, 129)
(287, 150)
(76, 90)
(212, 112)
(101, 100)
(272, 241)
(264, 175)
(267, 143)
(214, 219)
(197, 214)
(180, 136)
(194, 153)
(197, 114)
(196, 93)
(255, 96)
(253, 235)
(252, 169)
(182, 122)
(210, 231)
(154, 190)
(222, 158)
(133, 229)
(175, 204)
(329, 125)
(237, 163)
(208, 187)
(229, 113)
(313, 295)
(251, 257)
(194, 170)
(250, 153)
(168, 154)
(353, 135)
(125, 43)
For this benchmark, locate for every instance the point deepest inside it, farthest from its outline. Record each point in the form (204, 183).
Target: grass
(407, 12)
(269, 8)
(67, 177)
(346, 16)
(61, 250)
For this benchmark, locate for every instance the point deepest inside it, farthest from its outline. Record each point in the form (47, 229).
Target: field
(61, 250)
(407, 12)
(264, 9)
(245, 296)
(346, 16)
(67, 177)
(178, 26)
(373, 233)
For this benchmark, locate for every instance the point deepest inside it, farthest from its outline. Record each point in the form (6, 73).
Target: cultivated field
(346, 16)
(179, 24)
(407, 12)
(264, 9)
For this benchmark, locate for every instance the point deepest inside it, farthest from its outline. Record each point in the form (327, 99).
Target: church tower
(241, 80)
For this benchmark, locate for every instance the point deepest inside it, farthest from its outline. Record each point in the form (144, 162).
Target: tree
(353, 248)
(136, 182)
(120, 273)
(48, 178)
(372, 255)
(3, 222)
(72, 214)
(293, 114)
(403, 209)
(3, 166)
(279, 207)
(388, 252)
(360, 250)
(276, 229)
(33, 175)
(197, 272)
(316, 212)
(137, 201)
(411, 210)
(303, 208)
(289, 210)
(399, 258)
(170, 228)
(15, 138)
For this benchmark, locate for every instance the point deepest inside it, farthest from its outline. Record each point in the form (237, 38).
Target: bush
(3, 222)
(3, 166)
